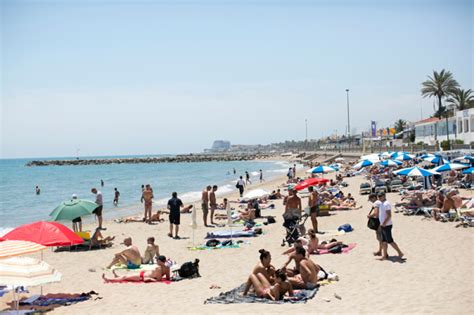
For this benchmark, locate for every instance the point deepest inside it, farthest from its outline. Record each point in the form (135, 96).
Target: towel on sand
(229, 234)
(204, 247)
(235, 296)
(344, 249)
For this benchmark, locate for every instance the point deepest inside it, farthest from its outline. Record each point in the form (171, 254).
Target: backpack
(345, 228)
(189, 269)
(213, 243)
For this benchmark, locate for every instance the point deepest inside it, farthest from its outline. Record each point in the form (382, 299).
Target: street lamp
(348, 120)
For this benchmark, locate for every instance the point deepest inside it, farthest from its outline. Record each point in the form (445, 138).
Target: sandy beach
(437, 276)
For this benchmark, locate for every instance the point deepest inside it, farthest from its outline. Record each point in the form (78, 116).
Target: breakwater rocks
(185, 158)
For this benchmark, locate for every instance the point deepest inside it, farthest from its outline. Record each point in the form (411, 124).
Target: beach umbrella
(256, 193)
(310, 182)
(436, 160)
(391, 163)
(386, 154)
(464, 157)
(468, 171)
(449, 167)
(364, 163)
(427, 155)
(415, 171)
(404, 157)
(370, 157)
(339, 159)
(17, 248)
(72, 209)
(321, 169)
(44, 233)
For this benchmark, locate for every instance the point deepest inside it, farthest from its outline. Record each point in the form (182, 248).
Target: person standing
(294, 170)
(147, 197)
(313, 207)
(247, 178)
(234, 171)
(261, 177)
(292, 206)
(174, 205)
(290, 173)
(385, 218)
(240, 186)
(205, 204)
(374, 213)
(37, 190)
(213, 202)
(100, 203)
(116, 196)
(143, 189)
(101, 183)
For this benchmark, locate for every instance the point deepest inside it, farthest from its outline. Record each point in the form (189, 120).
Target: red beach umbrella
(310, 182)
(44, 233)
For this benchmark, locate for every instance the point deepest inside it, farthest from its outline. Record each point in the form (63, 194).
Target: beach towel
(229, 234)
(46, 300)
(204, 247)
(145, 281)
(144, 267)
(344, 249)
(235, 296)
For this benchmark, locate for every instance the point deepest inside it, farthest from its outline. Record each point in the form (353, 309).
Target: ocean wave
(280, 171)
(254, 173)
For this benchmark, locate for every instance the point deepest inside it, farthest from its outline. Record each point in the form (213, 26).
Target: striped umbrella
(469, 171)
(415, 172)
(321, 169)
(364, 163)
(17, 248)
(465, 157)
(436, 160)
(391, 163)
(404, 157)
(393, 155)
(427, 155)
(449, 167)
(26, 271)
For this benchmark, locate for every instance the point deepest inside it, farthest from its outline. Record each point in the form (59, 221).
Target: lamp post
(348, 117)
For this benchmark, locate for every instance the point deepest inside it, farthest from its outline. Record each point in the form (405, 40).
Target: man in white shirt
(99, 202)
(385, 218)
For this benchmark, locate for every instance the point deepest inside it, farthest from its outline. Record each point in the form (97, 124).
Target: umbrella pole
(41, 287)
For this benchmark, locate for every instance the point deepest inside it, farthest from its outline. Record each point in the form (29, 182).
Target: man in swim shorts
(129, 256)
(292, 206)
(174, 205)
(147, 197)
(205, 204)
(307, 277)
(213, 202)
(144, 276)
(314, 207)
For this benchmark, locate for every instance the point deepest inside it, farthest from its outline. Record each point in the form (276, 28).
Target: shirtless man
(145, 276)
(448, 204)
(147, 197)
(205, 204)
(292, 206)
(313, 206)
(308, 271)
(129, 256)
(152, 250)
(213, 202)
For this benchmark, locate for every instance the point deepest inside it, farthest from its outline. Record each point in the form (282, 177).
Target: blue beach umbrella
(404, 157)
(465, 157)
(439, 160)
(469, 171)
(321, 169)
(391, 163)
(364, 163)
(415, 172)
(449, 167)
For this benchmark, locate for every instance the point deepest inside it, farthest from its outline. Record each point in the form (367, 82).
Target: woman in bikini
(264, 289)
(263, 268)
(144, 276)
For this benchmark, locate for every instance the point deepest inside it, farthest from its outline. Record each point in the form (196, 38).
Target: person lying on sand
(98, 239)
(264, 289)
(307, 277)
(129, 256)
(144, 276)
(264, 267)
(155, 217)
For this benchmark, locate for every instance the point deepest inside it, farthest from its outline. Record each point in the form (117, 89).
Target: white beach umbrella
(415, 172)
(370, 157)
(449, 167)
(339, 159)
(17, 248)
(405, 157)
(256, 193)
(321, 169)
(26, 271)
(364, 163)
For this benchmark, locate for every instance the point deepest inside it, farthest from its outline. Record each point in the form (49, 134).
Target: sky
(160, 77)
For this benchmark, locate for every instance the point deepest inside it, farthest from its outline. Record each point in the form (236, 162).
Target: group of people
(209, 202)
(131, 256)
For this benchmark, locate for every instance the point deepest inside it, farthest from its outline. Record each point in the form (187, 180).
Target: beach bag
(189, 269)
(212, 243)
(237, 185)
(345, 228)
(373, 223)
(335, 250)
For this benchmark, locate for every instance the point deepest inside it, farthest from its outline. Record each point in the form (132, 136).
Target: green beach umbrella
(71, 209)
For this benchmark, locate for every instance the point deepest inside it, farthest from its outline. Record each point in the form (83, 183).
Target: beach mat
(144, 267)
(235, 296)
(204, 247)
(229, 234)
(344, 250)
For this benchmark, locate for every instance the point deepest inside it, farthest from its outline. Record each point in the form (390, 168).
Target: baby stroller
(294, 228)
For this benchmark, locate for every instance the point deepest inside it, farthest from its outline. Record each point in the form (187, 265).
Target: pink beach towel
(344, 250)
(128, 281)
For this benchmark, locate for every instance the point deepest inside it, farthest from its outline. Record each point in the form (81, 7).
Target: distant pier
(185, 158)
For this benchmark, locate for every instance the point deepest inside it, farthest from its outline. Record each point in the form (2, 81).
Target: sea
(19, 204)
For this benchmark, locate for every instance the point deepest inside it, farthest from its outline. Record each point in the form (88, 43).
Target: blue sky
(140, 77)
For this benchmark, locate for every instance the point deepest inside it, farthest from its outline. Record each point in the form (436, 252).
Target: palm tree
(440, 85)
(462, 99)
(400, 125)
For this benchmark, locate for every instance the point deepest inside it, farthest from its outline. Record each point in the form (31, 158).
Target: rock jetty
(184, 158)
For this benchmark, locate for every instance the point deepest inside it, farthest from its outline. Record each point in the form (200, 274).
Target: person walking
(174, 205)
(240, 186)
(247, 178)
(100, 204)
(116, 196)
(385, 218)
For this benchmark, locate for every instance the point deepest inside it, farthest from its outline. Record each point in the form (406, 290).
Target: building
(460, 126)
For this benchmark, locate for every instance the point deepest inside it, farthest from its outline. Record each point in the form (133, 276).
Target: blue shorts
(131, 265)
(387, 234)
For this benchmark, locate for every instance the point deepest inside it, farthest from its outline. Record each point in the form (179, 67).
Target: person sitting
(246, 215)
(129, 256)
(264, 267)
(310, 245)
(186, 209)
(98, 239)
(264, 289)
(307, 276)
(292, 257)
(448, 204)
(160, 272)
(152, 250)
